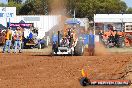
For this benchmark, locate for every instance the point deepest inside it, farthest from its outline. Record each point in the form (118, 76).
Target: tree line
(83, 8)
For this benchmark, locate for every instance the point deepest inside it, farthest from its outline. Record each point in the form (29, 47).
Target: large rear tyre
(52, 52)
(85, 81)
(39, 46)
(121, 43)
(72, 53)
(79, 48)
(22, 45)
(54, 49)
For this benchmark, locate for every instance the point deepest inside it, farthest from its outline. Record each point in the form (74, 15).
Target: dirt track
(40, 70)
(34, 70)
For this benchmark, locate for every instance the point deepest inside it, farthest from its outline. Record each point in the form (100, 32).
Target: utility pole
(74, 15)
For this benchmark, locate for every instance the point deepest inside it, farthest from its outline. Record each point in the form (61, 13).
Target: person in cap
(8, 39)
(18, 39)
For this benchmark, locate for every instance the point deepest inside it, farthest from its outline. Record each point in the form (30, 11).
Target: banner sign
(7, 12)
(23, 25)
(31, 18)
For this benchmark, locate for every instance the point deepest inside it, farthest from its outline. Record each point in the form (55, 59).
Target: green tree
(27, 9)
(17, 1)
(2, 4)
(129, 11)
(36, 7)
(17, 5)
(86, 8)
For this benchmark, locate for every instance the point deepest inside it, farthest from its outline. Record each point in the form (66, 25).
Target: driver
(65, 42)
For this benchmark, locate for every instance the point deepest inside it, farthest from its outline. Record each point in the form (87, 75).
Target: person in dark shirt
(116, 38)
(91, 43)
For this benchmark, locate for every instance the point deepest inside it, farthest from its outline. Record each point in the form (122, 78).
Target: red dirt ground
(34, 70)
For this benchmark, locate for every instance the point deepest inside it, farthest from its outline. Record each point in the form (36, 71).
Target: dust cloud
(100, 49)
(57, 7)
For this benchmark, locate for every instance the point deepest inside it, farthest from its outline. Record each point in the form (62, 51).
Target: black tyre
(52, 53)
(72, 53)
(22, 45)
(55, 48)
(85, 81)
(39, 46)
(79, 48)
(121, 43)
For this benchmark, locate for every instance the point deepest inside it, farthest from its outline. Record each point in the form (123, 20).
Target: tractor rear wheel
(121, 43)
(79, 48)
(72, 52)
(85, 81)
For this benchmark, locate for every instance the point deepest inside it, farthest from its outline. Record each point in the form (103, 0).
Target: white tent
(114, 18)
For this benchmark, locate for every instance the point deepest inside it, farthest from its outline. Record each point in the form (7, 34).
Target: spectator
(1, 37)
(116, 38)
(18, 40)
(8, 38)
(91, 43)
(30, 35)
(101, 35)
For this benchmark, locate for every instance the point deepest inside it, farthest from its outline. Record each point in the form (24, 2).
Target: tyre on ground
(121, 43)
(85, 81)
(54, 48)
(79, 48)
(39, 46)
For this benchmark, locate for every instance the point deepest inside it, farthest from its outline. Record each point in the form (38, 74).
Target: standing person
(116, 39)
(1, 40)
(91, 43)
(100, 35)
(18, 39)
(8, 38)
